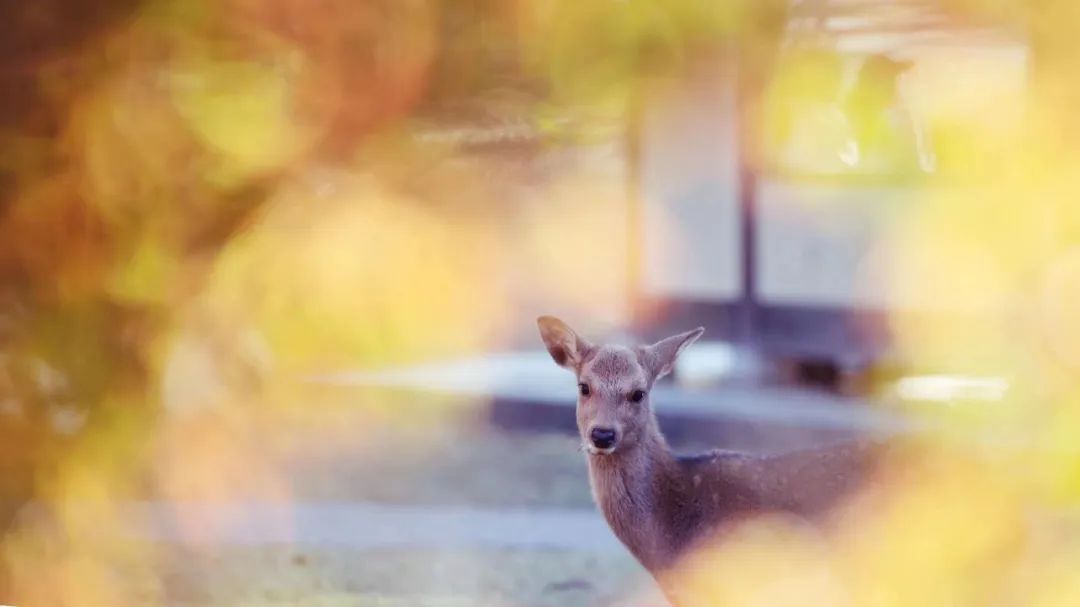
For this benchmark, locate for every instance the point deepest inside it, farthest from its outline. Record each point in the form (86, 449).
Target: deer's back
(721, 486)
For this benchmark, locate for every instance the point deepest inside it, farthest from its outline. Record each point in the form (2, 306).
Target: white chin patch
(596, 451)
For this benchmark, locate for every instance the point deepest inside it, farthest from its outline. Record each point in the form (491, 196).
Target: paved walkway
(362, 525)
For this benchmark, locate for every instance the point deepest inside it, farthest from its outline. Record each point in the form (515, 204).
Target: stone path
(365, 525)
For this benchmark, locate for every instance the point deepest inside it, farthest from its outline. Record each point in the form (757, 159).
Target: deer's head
(614, 382)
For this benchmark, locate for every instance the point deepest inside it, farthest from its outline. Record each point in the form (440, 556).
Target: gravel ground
(439, 454)
(460, 465)
(293, 576)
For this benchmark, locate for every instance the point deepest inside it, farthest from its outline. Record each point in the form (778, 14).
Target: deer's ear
(566, 348)
(659, 358)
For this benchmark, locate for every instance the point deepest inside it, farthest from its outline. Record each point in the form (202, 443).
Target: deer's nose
(602, 438)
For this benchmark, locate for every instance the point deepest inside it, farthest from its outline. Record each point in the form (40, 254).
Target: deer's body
(659, 505)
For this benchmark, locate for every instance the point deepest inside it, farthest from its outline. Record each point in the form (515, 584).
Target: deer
(662, 506)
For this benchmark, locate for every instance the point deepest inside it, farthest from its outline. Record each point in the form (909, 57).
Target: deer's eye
(637, 396)
(584, 389)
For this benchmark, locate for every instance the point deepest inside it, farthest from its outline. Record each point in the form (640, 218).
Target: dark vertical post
(757, 48)
(744, 136)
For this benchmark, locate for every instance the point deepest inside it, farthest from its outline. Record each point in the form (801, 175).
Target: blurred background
(269, 271)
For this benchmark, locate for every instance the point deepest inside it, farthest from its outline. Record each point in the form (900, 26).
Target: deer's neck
(632, 489)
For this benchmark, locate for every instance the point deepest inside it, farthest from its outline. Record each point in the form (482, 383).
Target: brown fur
(659, 505)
